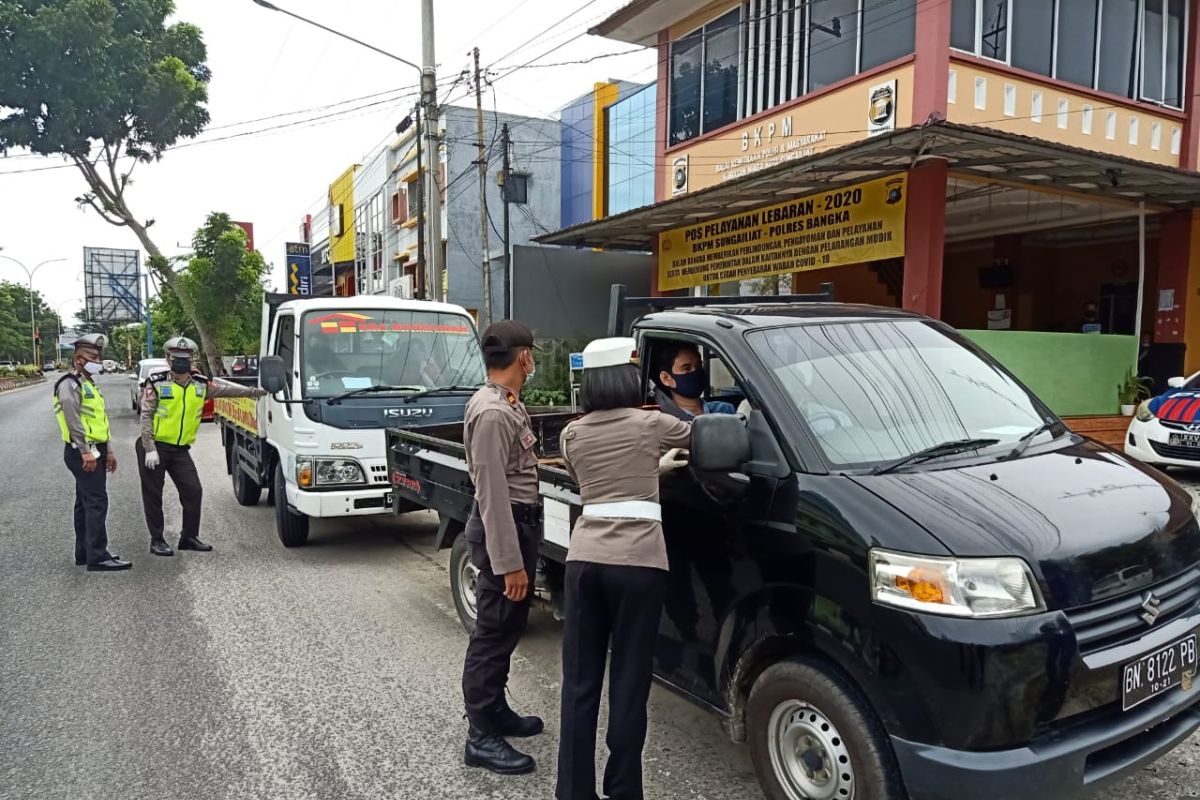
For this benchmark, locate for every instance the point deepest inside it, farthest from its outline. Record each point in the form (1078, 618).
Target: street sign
(576, 361)
(299, 268)
(112, 284)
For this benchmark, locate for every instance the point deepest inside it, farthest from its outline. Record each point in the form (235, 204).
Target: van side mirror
(272, 374)
(1176, 383)
(720, 443)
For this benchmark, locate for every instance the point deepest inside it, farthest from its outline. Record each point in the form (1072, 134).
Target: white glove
(152, 459)
(673, 459)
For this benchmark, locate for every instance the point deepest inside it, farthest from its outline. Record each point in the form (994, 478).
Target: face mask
(93, 368)
(689, 384)
(181, 366)
(532, 370)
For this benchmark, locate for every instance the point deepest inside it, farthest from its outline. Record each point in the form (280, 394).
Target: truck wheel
(291, 526)
(245, 489)
(813, 736)
(463, 577)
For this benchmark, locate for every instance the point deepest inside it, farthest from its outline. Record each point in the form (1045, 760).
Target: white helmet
(91, 341)
(180, 344)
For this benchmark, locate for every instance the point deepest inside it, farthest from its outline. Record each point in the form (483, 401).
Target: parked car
(245, 366)
(897, 573)
(8, 364)
(1165, 430)
(146, 368)
(49, 366)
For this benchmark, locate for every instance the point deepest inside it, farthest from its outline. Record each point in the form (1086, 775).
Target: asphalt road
(330, 671)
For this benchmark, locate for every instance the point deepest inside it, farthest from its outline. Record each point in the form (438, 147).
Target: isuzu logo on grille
(1151, 608)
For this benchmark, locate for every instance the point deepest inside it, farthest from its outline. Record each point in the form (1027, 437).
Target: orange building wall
(853, 283)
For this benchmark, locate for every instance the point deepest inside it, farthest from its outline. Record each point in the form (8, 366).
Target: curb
(8, 384)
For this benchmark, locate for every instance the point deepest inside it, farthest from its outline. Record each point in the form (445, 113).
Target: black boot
(510, 723)
(194, 544)
(159, 547)
(488, 749)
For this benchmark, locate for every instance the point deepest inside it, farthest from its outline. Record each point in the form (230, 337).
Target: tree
(15, 332)
(109, 85)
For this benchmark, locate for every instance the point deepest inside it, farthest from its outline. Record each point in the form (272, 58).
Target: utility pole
(505, 186)
(433, 153)
(422, 287)
(485, 316)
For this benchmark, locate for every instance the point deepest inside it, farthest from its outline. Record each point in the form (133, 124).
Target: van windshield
(347, 350)
(876, 391)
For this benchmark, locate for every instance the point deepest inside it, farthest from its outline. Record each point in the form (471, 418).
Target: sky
(266, 64)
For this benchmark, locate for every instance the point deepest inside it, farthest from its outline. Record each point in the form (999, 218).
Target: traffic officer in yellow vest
(172, 405)
(79, 407)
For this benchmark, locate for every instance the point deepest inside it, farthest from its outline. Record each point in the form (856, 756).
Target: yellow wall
(963, 109)
(341, 248)
(829, 120)
(604, 95)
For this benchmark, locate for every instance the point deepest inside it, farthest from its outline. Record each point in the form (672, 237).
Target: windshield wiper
(452, 389)
(372, 390)
(937, 450)
(1025, 440)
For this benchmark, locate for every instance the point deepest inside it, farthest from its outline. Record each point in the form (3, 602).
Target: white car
(1166, 429)
(145, 368)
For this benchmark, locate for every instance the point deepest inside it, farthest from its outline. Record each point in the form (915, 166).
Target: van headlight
(328, 472)
(1143, 413)
(955, 587)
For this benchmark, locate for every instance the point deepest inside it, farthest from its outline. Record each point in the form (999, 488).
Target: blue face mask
(689, 384)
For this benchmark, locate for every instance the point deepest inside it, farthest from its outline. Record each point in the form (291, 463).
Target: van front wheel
(812, 736)
(463, 577)
(291, 526)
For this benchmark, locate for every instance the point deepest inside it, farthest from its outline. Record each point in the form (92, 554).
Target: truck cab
(339, 371)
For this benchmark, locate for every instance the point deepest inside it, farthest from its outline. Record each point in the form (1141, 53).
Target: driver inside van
(320, 356)
(682, 381)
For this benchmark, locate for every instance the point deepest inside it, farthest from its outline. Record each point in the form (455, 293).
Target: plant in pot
(1132, 391)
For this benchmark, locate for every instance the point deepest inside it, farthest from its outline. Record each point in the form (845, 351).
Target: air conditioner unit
(401, 287)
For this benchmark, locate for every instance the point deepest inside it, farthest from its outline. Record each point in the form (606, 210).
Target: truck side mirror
(1176, 383)
(720, 443)
(272, 374)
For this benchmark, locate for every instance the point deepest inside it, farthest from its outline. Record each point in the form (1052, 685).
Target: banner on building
(299, 268)
(850, 225)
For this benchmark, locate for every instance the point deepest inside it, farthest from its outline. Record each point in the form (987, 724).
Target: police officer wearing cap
(83, 420)
(504, 539)
(616, 576)
(172, 405)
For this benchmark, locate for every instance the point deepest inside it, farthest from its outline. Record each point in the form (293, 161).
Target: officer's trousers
(91, 506)
(499, 623)
(176, 462)
(617, 606)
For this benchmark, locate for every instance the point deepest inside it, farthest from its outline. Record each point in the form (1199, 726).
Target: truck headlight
(328, 472)
(1143, 413)
(956, 587)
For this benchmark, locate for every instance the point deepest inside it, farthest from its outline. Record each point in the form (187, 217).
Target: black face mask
(689, 384)
(181, 366)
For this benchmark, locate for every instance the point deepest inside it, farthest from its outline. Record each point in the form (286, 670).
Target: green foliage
(77, 72)
(1133, 389)
(15, 344)
(542, 398)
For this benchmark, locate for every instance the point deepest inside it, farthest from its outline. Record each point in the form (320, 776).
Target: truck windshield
(876, 391)
(418, 350)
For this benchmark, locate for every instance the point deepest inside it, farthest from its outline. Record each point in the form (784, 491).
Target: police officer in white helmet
(172, 405)
(83, 420)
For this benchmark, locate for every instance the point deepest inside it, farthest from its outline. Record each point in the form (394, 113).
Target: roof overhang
(639, 21)
(982, 153)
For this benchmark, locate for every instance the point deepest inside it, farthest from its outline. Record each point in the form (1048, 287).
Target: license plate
(387, 499)
(1159, 672)
(1185, 440)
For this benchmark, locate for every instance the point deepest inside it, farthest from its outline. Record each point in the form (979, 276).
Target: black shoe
(490, 751)
(159, 547)
(79, 562)
(112, 565)
(510, 723)
(194, 544)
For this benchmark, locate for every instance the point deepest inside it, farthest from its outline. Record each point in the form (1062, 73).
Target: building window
(832, 42)
(629, 165)
(399, 207)
(1132, 48)
(704, 78)
(889, 31)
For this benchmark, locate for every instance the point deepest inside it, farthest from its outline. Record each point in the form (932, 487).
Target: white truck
(340, 371)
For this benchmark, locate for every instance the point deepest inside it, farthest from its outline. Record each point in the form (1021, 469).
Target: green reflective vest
(95, 418)
(177, 419)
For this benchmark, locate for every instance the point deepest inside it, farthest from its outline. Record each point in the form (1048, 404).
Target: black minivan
(896, 572)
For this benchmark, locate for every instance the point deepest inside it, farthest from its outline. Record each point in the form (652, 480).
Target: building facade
(997, 164)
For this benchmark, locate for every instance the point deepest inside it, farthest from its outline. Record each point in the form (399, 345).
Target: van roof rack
(619, 302)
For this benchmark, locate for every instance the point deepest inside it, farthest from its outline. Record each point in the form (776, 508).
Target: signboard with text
(850, 225)
(299, 268)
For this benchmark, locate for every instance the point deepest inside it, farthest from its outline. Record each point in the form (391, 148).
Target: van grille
(1114, 622)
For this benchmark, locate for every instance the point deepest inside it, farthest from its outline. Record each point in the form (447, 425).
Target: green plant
(1133, 389)
(542, 398)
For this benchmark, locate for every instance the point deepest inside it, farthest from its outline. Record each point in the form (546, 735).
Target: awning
(982, 153)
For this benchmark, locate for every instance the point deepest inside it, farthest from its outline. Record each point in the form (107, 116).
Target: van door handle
(270, 417)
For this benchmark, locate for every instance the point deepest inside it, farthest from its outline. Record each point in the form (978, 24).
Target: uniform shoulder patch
(159, 377)
(196, 376)
(511, 398)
